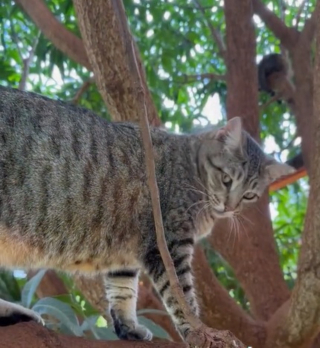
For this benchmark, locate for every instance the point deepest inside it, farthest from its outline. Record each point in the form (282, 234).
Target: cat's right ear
(274, 170)
(231, 133)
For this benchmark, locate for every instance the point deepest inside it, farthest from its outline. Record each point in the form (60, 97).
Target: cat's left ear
(231, 133)
(275, 170)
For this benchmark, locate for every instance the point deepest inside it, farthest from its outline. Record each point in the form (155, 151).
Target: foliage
(176, 44)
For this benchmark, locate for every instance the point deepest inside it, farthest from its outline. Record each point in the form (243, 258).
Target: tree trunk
(260, 273)
(31, 335)
(108, 60)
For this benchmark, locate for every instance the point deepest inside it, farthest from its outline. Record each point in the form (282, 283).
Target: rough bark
(259, 274)
(299, 46)
(303, 74)
(299, 324)
(113, 76)
(27, 335)
(219, 310)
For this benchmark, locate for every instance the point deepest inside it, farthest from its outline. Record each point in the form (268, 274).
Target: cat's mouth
(222, 214)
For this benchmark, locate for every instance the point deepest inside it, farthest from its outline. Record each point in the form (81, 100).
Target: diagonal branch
(62, 38)
(300, 10)
(286, 35)
(214, 32)
(27, 62)
(112, 72)
(86, 84)
(309, 29)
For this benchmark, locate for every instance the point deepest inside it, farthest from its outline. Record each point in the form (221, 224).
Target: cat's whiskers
(191, 188)
(201, 184)
(199, 202)
(203, 209)
(242, 216)
(237, 230)
(239, 218)
(258, 209)
(231, 225)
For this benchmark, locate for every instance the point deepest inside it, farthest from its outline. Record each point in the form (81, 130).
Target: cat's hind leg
(122, 293)
(11, 313)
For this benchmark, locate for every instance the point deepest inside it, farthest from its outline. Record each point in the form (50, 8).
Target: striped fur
(74, 197)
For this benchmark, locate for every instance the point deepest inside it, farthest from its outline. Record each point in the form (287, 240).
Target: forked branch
(286, 35)
(214, 32)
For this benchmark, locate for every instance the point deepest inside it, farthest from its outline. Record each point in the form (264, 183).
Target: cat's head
(235, 169)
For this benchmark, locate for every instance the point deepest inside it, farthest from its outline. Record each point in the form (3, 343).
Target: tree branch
(301, 7)
(214, 32)
(26, 335)
(198, 77)
(101, 35)
(309, 29)
(61, 37)
(27, 62)
(262, 279)
(286, 35)
(300, 323)
(82, 89)
(219, 309)
(303, 76)
(150, 165)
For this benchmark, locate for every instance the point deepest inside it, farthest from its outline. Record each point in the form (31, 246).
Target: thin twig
(15, 39)
(270, 101)
(290, 143)
(215, 34)
(298, 16)
(199, 77)
(282, 9)
(81, 90)
(27, 62)
(150, 166)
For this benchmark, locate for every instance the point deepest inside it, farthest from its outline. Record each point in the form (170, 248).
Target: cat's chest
(204, 227)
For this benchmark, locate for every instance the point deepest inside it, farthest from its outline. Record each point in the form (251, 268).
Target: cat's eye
(249, 196)
(226, 179)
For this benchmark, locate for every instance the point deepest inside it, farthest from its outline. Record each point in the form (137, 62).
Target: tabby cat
(74, 197)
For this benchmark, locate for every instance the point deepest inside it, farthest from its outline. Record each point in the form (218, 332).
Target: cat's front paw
(132, 331)
(11, 313)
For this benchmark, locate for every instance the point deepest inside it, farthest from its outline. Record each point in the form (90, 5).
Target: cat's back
(63, 169)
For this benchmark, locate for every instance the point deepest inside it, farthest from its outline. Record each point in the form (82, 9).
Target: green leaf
(30, 288)
(61, 311)
(106, 333)
(157, 330)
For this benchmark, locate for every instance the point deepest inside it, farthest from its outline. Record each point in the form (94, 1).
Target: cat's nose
(227, 208)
